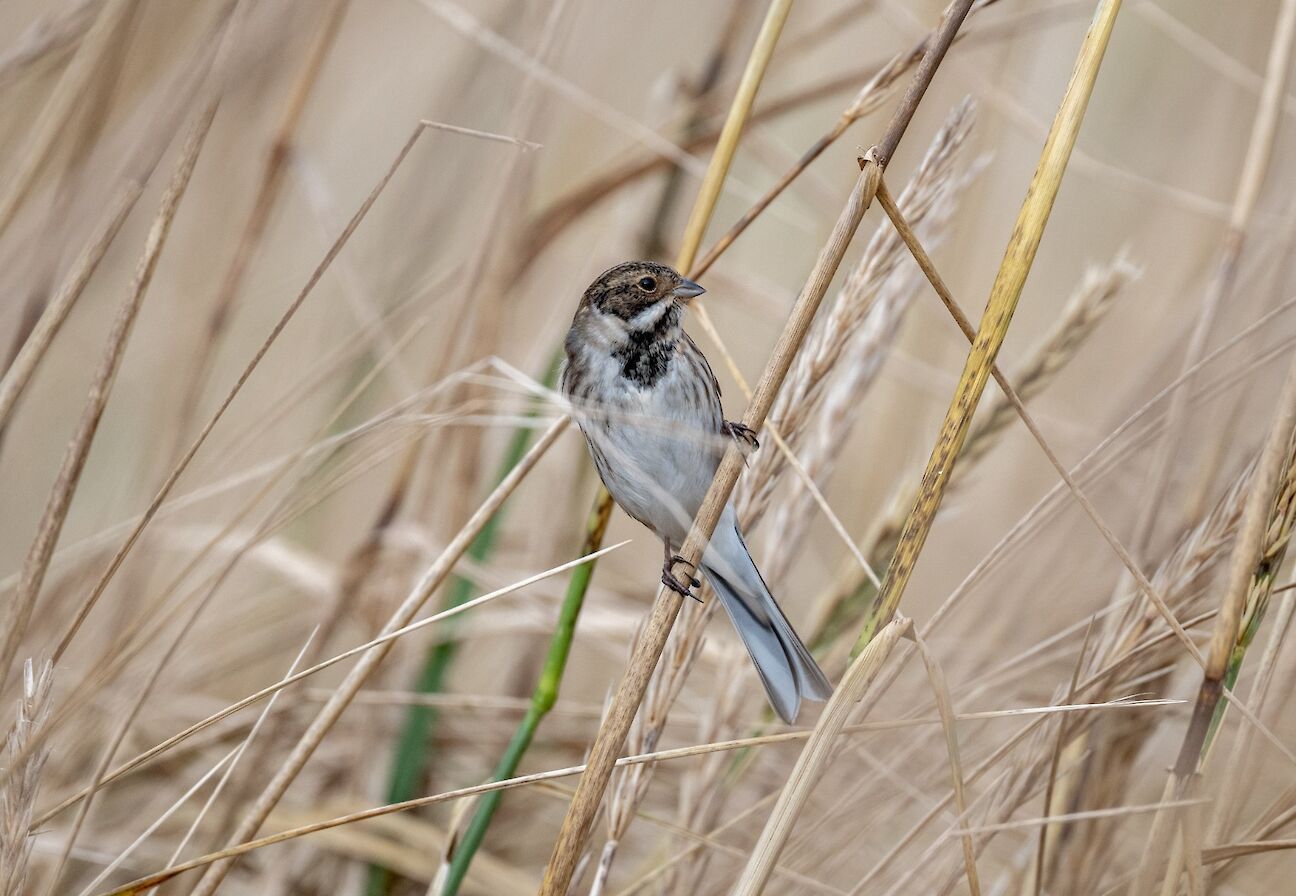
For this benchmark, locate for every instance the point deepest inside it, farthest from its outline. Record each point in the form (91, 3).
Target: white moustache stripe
(648, 318)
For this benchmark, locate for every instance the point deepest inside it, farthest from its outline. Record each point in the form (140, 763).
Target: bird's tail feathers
(786, 667)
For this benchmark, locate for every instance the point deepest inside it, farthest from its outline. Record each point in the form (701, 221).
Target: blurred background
(383, 413)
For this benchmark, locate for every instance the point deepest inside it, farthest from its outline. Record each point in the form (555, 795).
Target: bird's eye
(647, 284)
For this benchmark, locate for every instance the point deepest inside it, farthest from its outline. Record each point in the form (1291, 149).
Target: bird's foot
(679, 558)
(742, 434)
(671, 581)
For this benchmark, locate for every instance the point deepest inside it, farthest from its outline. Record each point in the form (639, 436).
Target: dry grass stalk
(136, 173)
(624, 762)
(849, 341)
(477, 320)
(940, 688)
(1236, 781)
(37, 561)
(741, 816)
(700, 797)
(1232, 798)
(158, 616)
(475, 324)
(1058, 492)
(84, 134)
(267, 194)
(1046, 847)
(815, 756)
(56, 311)
(843, 397)
(857, 328)
(736, 120)
(999, 311)
(879, 81)
(1258, 550)
(629, 788)
(1011, 395)
(994, 322)
(196, 608)
(225, 767)
(182, 464)
(1129, 650)
(19, 803)
(51, 524)
(92, 52)
(1085, 307)
(871, 96)
(1025, 762)
(169, 744)
(364, 560)
(1255, 166)
(1029, 734)
(329, 714)
(1181, 578)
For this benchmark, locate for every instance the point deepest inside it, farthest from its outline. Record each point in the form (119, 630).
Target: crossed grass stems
(929, 270)
(912, 244)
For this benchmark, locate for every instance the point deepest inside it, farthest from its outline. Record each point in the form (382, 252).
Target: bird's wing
(694, 355)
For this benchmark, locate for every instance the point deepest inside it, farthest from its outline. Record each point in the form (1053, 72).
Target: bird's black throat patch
(646, 356)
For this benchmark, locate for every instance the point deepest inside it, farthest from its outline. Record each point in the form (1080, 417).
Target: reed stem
(611, 737)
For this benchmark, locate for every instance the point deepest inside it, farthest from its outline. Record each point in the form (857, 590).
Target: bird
(649, 406)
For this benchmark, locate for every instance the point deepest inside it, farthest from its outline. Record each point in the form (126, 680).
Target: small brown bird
(649, 406)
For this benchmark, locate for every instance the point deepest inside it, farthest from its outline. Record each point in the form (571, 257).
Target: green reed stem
(412, 753)
(542, 698)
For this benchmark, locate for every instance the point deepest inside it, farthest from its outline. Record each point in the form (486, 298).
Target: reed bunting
(649, 406)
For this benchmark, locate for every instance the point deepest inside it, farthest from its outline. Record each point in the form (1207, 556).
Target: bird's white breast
(657, 446)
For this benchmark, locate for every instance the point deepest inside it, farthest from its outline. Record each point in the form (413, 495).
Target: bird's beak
(687, 290)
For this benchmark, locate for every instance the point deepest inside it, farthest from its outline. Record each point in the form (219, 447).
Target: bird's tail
(785, 664)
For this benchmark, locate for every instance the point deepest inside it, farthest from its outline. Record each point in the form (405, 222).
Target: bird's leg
(670, 580)
(740, 433)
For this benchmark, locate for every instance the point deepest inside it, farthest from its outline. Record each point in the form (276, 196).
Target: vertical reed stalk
(1257, 552)
(411, 754)
(815, 756)
(1004, 294)
(542, 700)
(630, 693)
(546, 690)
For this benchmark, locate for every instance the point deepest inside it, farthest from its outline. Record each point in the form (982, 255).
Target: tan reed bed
(1021, 755)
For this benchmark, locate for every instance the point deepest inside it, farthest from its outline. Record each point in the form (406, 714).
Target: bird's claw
(742, 433)
(679, 558)
(671, 581)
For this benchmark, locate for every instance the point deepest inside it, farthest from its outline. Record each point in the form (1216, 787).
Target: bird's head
(637, 294)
